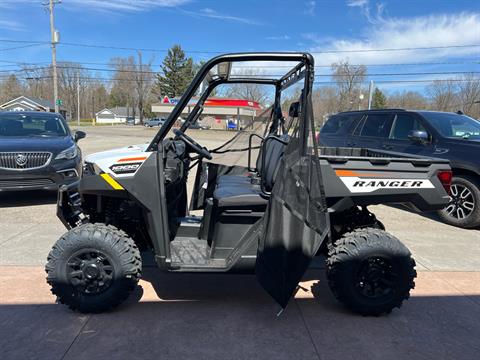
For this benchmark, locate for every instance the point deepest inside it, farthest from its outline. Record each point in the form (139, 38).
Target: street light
(360, 102)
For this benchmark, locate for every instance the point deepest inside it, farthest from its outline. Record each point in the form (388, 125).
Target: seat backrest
(12, 128)
(274, 147)
(51, 125)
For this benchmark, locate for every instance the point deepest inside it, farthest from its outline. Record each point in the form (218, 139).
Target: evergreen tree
(379, 101)
(177, 73)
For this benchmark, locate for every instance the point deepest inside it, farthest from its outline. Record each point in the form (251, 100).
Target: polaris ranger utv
(297, 202)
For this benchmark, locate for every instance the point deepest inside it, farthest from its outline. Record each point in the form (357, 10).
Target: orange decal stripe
(350, 173)
(133, 159)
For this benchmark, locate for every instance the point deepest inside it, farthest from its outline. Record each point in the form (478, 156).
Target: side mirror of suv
(79, 135)
(418, 136)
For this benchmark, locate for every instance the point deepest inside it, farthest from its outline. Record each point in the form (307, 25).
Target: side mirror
(293, 111)
(79, 135)
(418, 136)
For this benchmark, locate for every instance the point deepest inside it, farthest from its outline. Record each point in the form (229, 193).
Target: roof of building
(214, 101)
(46, 104)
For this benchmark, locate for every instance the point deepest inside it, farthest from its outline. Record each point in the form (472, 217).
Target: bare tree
(132, 83)
(122, 92)
(10, 88)
(443, 95)
(469, 94)
(407, 100)
(95, 98)
(253, 92)
(325, 103)
(72, 77)
(348, 79)
(143, 80)
(39, 82)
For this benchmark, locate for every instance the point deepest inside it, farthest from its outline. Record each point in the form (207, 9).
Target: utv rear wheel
(464, 207)
(93, 268)
(370, 271)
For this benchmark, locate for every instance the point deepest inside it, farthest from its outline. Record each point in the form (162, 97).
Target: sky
(207, 27)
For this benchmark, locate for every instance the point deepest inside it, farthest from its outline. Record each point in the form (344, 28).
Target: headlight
(88, 169)
(69, 153)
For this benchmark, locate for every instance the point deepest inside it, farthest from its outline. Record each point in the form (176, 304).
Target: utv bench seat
(238, 196)
(243, 191)
(236, 179)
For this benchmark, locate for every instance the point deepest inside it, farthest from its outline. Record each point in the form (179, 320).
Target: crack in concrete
(76, 337)
(17, 234)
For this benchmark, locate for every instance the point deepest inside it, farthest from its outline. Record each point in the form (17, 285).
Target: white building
(24, 103)
(218, 113)
(116, 115)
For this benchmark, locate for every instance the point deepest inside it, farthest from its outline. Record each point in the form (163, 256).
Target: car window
(340, 124)
(403, 125)
(13, 124)
(376, 125)
(453, 125)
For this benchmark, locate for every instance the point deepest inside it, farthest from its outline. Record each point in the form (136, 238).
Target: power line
(328, 51)
(20, 47)
(316, 82)
(463, 62)
(370, 65)
(73, 67)
(401, 81)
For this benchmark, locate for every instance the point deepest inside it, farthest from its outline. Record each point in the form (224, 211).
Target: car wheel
(464, 207)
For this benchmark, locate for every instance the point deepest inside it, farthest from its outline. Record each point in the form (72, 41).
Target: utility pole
(78, 98)
(370, 94)
(55, 38)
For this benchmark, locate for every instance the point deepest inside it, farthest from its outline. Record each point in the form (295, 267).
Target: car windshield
(453, 125)
(41, 125)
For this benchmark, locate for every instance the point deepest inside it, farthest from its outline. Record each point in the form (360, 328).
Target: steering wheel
(196, 147)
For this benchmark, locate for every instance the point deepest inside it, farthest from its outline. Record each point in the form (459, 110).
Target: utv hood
(114, 153)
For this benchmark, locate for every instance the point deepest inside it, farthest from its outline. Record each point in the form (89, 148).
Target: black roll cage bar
(304, 69)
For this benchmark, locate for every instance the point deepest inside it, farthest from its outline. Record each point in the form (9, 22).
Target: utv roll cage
(304, 69)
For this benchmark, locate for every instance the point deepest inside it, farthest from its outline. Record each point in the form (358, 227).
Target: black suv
(37, 151)
(451, 136)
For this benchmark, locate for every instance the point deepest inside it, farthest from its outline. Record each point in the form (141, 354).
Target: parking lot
(205, 316)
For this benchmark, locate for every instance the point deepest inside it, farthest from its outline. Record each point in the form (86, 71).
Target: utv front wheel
(93, 268)
(370, 271)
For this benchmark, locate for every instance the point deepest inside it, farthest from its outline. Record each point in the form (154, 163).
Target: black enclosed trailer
(288, 202)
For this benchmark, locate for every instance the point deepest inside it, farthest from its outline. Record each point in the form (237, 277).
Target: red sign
(232, 103)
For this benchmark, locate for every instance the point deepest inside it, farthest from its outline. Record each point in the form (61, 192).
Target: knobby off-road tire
(464, 210)
(93, 268)
(370, 271)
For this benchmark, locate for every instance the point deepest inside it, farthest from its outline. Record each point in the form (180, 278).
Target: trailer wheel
(370, 271)
(93, 268)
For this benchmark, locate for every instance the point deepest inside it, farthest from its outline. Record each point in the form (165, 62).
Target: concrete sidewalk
(203, 316)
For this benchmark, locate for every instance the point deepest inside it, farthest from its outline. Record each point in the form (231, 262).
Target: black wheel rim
(462, 202)
(376, 278)
(90, 271)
